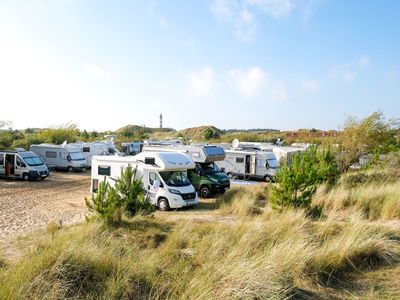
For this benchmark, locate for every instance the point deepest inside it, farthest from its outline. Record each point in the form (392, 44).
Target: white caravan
(63, 157)
(207, 177)
(22, 164)
(94, 148)
(164, 176)
(284, 154)
(249, 164)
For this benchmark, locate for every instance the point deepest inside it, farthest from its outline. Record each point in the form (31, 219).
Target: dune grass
(264, 254)
(375, 201)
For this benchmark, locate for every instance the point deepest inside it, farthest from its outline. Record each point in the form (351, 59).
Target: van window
(86, 149)
(152, 178)
(104, 170)
(1, 159)
(51, 154)
(239, 160)
(20, 163)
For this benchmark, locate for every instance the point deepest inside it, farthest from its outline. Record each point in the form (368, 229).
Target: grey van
(22, 164)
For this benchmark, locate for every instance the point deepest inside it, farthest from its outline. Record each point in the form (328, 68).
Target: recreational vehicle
(22, 164)
(249, 164)
(132, 148)
(94, 148)
(164, 176)
(284, 154)
(207, 178)
(63, 157)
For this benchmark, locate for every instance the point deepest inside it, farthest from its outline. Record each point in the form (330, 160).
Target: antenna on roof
(235, 143)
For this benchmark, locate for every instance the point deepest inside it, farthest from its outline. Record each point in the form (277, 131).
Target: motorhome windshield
(272, 163)
(175, 178)
(33, 161)
(211, 168)
(76, 156)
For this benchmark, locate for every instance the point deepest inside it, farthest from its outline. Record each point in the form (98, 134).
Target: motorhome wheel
(163, 204)
(205, 192)
(25, 177)
(267, 178)
(69, 169)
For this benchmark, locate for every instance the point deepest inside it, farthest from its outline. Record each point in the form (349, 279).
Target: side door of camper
(20, 167)
(9, 164)
(152, 191)
(2, 170)
(87, 153)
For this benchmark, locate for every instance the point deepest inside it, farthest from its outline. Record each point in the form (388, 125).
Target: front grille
(188, 196)
(43, 172)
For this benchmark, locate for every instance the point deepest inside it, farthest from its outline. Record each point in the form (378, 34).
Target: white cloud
(246, 27)
(94, 71)
(309, 85)
(275, 8)
(363, 61)
(249, 83)
(255, 82)
(201, 83)
(223, 9)
(349, 76)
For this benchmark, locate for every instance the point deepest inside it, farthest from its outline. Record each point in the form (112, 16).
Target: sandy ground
(27, 206)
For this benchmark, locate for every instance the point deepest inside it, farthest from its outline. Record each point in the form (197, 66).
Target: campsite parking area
(27, 206)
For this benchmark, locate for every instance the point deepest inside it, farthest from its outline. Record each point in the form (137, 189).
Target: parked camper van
(249, 164)
(63, 157)
(94, 148)
(132, 148)
(164, 176)
(22, 164)
(207, 178)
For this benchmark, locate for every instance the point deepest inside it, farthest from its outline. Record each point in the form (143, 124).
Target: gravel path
(27, 206)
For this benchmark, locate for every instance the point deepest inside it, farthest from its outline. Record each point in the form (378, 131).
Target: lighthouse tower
(160, 120)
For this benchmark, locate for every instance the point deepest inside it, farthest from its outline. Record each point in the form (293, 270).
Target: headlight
(174, 191)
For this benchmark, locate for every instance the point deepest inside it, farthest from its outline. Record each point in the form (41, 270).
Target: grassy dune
(264, 255)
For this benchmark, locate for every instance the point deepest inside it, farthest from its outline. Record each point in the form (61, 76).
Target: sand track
(27, 206)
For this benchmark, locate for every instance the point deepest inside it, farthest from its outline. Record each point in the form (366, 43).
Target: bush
(126, 197)
(298, 182)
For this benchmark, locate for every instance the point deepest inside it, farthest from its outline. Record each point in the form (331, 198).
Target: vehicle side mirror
(161, 185)
(68, 158)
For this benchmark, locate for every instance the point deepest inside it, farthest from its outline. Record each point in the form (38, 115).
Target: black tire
(26, 177)
(69, 169)
(205, 192)
(267, 179)
(163, 204)
(229, 174)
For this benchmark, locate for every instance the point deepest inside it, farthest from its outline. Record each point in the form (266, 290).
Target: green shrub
(298, 182)
(126, 197)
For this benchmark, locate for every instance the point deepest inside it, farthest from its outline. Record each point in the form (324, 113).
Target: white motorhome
(94, 148)
(248, 164)
(284, 154)
(164, 176)
(22, 164)
(63, 157)
(207, 178)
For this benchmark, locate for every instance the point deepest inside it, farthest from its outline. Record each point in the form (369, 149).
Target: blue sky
(282, 64)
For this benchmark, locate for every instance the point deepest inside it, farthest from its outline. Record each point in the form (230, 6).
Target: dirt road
(27, 206)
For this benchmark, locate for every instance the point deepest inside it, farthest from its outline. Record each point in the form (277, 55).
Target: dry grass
(375, 201)
(264, 255)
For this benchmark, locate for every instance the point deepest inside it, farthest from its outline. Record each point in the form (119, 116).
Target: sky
(283, 64)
